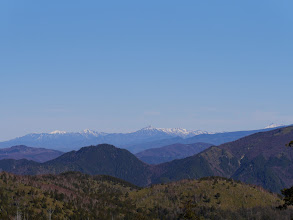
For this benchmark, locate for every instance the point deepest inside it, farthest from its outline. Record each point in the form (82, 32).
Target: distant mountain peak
(58, 132)
(272, 125)
(181, 132)
(148, 128)
(87, 131)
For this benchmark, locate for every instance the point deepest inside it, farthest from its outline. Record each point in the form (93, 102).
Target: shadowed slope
(102, 159)
(260, 158)
(171, 152)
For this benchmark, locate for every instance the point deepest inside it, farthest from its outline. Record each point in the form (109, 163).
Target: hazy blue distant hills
(212, 138)
(220, 138)
(140, 140)
(260, 158)
(58, 140)
(171, 152)
(67, 141)
(29, 153)
(154, 144)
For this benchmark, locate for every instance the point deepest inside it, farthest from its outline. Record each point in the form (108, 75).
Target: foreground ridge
(75, 195)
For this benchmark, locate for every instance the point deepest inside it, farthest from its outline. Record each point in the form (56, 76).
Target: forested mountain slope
(261, 159)
(79, 196)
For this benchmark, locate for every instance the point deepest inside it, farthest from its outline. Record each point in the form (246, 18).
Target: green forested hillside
(78, 196)
(66, 196)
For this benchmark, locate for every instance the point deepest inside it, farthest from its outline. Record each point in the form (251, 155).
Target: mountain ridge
(67, 141)
(170, 152)
(260, 159)
(102, 159)
(29, 153)
(75, 195)
(140, 140)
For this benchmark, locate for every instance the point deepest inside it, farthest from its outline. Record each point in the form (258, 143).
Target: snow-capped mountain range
(85, 132)
(146, 137)
(176, 132)
(65, 141)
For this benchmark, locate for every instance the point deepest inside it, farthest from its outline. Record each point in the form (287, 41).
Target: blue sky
(118, 66)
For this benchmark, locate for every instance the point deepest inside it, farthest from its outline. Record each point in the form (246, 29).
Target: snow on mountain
(65, 141)
(274, 126)
(86, 132)
(91, 132)
(180, 132)
(58, 132)
(144, 138)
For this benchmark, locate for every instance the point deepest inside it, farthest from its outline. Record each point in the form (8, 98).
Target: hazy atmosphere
(118, 66)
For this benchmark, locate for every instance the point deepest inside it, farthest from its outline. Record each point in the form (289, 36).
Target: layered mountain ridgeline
(102, 159)
(78, 196)
(171, 152)
(215, 139)
(67, 141)
(135, 142)
(57, 140)
(29, 153)
(260, 159)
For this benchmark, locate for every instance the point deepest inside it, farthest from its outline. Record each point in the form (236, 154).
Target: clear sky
(118, 66)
